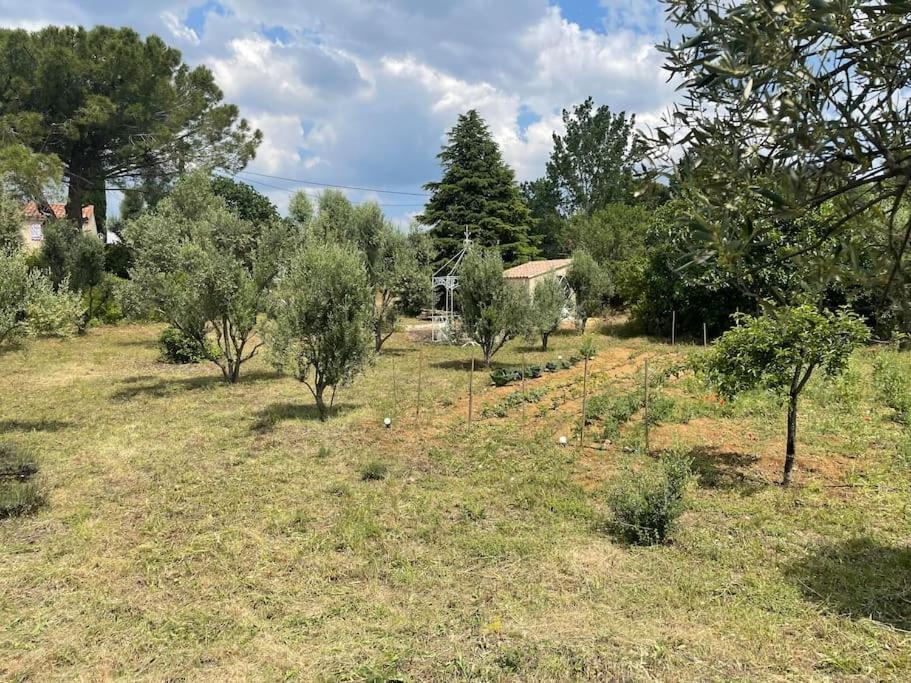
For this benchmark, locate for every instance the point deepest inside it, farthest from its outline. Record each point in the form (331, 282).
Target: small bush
(176, 347)
(645, 507)
(374, 471)
(323, 452)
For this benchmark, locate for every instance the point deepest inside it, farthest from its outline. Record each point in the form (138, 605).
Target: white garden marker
(387, 422)
(563, 440)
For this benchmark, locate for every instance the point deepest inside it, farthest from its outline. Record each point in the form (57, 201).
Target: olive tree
(781, 350)
(320, 332)
(790, 106)
(590, 285)
(206, 271)
(493, 310)
(393, 266)
(548, 305)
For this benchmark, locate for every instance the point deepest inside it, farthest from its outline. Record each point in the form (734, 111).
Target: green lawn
(201, 531)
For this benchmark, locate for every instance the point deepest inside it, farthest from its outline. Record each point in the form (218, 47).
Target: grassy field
(201, 531)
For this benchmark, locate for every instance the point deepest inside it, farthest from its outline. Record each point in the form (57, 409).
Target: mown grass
(203, 531)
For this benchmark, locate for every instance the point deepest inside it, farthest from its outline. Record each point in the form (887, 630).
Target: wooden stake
(705, 335)
(395, 393)
(584, 398)
(645, 406)
(470, 389)
(673, 328)
(524, 394)
(420, 382)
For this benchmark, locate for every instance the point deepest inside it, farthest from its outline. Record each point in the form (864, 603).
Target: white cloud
(362, 93)
(178, 29)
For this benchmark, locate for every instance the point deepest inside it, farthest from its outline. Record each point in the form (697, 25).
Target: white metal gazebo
(446, 322)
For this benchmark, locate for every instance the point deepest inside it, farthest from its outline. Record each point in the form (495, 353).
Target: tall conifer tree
(478, 192)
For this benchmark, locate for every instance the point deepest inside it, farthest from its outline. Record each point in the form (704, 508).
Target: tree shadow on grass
(725, 470)
(271, 415)
(398, 352)
(156, 387)
(858, 578)
(42, 425)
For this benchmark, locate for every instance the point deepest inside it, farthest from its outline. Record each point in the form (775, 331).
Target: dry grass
(202, 531)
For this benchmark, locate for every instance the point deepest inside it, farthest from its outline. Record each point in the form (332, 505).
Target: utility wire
(341, 187)
(292, 190)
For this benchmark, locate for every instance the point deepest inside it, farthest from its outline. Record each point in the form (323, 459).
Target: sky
(362, 92)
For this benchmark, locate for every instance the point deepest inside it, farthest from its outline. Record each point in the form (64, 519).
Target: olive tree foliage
(320, 332)
(493, 310)
(781, 350)
(548, 305)
(591, 287)
(394, 264)
(206, 271)
(790, 105)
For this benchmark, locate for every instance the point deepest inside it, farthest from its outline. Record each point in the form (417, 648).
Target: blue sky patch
(277, 34)
(196, 16)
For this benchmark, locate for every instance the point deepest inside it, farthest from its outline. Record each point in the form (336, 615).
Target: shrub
(177, 347)
(374, 471)
(646, 507)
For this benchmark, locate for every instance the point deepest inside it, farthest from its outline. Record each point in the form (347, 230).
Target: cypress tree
(478, 192)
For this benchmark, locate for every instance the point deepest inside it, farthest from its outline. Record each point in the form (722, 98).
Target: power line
(292, 190)
(341, 187)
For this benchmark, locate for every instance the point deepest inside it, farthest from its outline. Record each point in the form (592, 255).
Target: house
(33, 226)
(528, 275)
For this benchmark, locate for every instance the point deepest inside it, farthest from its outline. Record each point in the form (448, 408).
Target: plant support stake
(645, 406)
(584, 397)
(420, 381)
(470, 389)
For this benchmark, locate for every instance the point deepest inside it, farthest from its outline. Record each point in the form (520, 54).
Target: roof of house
(31, 210)
(535, 268)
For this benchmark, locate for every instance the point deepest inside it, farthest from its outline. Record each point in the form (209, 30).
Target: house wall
(34, 227)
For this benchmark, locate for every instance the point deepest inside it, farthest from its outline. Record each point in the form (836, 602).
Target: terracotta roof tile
(31, 210)
(535, 268)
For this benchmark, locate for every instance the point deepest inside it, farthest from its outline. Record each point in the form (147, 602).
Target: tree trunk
(78, 184)
(321, 408)
(91, 307)
(792, 438)
(544, 337)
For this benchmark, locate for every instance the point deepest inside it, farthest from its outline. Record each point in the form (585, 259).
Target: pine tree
(478, 192)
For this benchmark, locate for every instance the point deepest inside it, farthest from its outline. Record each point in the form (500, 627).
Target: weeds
(374, 471)
(20, 492)
(646, 506)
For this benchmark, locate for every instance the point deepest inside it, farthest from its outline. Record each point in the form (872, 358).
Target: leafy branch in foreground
(791, 105)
